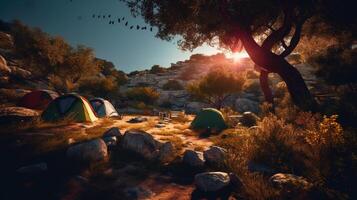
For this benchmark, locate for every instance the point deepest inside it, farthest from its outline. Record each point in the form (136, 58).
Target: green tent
(72, 107)
(209, 119)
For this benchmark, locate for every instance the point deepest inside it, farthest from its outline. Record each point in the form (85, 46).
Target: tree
(216, 87)
(337, 65)
(268, 30)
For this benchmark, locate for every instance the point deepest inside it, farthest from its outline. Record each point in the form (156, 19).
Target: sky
(129, 50)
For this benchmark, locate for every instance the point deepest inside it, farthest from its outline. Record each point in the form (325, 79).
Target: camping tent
(38, 99)
(103, 108)
(209, 119)
(71, 107)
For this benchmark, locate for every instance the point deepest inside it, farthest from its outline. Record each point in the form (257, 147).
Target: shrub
(143, 94)
(312, 146)
(172, 85)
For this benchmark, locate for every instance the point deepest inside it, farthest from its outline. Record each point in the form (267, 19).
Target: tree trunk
(297, 88)
(264, 84)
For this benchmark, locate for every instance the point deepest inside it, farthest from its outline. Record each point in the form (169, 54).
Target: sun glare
(237, 56)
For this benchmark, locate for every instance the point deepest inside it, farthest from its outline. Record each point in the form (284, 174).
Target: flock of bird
(120, 20)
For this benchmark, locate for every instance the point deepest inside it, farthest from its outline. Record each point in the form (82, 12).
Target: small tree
(146, 95)
(216, 87)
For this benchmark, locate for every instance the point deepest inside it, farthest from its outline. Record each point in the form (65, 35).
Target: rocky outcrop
(215, 156)
(167, 152)
(142, 143)
(4, 69)
(193, 158)
(20, 72)
(88, 152)
(212, 181)
(9, 115)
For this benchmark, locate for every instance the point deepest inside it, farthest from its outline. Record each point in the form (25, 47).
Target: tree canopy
(216, 86)
(268, 30)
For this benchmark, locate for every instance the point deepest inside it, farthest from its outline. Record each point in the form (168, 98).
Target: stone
(140, 142)
(110, 141)
(4, 69)
(193, 158)
(138, 193)
(244, 105)
(33, 169)
(11, 115)
(88, 152)
(167, 152)
(215, 156)
(249, 119)
(113, 132)
(290, 182)
(137, 120)
(19, 72)
(212, 181)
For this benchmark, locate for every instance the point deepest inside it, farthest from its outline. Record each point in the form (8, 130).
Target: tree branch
(294, 40)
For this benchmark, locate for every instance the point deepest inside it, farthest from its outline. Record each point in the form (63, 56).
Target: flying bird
(126, 24)
(151, 29)
(123, 18)
(137, 27)
(98, 16)
(131, 27)
(93, 16)
(118, 20)
(103, 16)
(109, 16)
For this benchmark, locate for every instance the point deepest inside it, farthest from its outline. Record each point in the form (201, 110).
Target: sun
(237, 56)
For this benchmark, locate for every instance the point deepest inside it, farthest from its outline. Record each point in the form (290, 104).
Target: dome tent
(103, 108)
(70, 106)
(209, 119)
(37, 99)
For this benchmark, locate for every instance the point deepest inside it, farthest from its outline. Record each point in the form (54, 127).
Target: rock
(142, 143)
(137, 120)
(113, 132)
(33, 169)
(4, 69)
(10, 115)
(212, 181)
(88, 152)
(194, 107)
(159, 125)
(249, 119)
(138, 193)
(290, 184)
(6, 41)
(110, 141)
(244, 105)
(167, 152)
(19, 72)
(215, 156)
(193, 158)
(70, 141)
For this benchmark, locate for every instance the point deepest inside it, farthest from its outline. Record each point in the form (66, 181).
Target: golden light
(237, 56)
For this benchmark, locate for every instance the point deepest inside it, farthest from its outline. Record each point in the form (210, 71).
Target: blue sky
(128, 49)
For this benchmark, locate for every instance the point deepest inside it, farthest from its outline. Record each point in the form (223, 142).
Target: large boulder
(4, 69)
(291, 185)
(244, 105)
(88, 152)
(113, 132)
(142, 143)
(10, 115)
(212, 181)
(249, 119)
(193, 158)
(215, 156)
